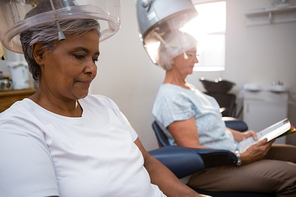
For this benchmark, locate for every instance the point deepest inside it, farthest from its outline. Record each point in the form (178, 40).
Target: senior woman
(62, 141)
(192, 119)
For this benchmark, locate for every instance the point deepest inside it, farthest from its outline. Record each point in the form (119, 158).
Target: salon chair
(230, 122)
(186, 161)
(226, 101)
(219, 89)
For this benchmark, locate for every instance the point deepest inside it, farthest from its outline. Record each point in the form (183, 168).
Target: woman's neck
(58, 106)
(175, 79)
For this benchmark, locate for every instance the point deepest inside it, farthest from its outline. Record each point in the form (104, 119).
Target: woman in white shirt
(63, 142)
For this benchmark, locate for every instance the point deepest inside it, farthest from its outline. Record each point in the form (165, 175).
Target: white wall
(126, 74)
(259, 54)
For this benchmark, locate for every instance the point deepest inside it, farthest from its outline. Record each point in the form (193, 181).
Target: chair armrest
(186, 161)
(181, 161)
(235, 124)
(216, 157)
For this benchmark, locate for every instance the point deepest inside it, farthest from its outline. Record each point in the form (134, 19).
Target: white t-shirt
(45, 154)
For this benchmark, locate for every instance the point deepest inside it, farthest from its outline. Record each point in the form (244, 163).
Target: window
(211, 25)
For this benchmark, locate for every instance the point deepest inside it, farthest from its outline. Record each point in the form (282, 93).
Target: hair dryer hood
(158, 18)
(152, 13)
(13, 17)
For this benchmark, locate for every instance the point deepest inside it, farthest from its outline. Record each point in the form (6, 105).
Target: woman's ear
(38, 51)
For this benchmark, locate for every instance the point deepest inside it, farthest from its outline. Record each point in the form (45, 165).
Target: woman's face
(69, 68)
(185, 66)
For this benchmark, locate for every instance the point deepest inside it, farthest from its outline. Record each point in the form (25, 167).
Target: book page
(243, 145)
(274, 131)
(270, 133)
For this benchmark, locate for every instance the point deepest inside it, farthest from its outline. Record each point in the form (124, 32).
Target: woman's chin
(82, 94)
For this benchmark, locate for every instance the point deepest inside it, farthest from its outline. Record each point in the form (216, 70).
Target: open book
(279, 129)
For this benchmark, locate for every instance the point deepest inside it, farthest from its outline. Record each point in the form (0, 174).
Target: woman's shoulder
(19, 108)
(191, 86)
(20, 118)
(168, 88)
(171, 90)
(94, 99)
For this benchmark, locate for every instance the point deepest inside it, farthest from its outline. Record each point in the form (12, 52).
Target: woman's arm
(240, 136)
(25, 161)
(185, 133)
(161, 176)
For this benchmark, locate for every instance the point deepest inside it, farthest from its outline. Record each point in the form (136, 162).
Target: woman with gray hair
(172, 44)
(61, 141)
(190, 118)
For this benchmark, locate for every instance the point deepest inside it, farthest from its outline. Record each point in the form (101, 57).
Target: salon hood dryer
(163, 20)
(17, 16)
(219, 89)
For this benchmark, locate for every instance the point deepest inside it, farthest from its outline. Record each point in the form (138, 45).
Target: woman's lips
(87, 83)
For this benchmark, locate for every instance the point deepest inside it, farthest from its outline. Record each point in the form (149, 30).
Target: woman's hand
(256, 152)
(240, 136)
(247, 134)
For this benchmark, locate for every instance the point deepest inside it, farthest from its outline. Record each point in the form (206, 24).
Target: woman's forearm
(168, 183)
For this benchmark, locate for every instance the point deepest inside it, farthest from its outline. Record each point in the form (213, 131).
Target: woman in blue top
(192, 119)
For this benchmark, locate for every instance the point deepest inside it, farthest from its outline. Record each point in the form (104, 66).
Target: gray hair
(172, 44)
(168, 66)
(47, 34)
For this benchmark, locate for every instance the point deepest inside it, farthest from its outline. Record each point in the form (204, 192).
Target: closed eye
(79, 56)
(96, 57)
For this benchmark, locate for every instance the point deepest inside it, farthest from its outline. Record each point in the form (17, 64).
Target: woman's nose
(91, 67)
(196, 59)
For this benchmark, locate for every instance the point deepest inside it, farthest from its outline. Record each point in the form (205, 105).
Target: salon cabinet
(7, 98)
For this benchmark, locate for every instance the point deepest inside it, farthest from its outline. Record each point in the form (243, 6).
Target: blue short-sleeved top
(174, 103)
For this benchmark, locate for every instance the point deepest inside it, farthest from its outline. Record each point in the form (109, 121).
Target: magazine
(279, 129)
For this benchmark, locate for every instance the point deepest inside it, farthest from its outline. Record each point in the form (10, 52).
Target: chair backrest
(161, 137)
(232, 123)
(227, 101)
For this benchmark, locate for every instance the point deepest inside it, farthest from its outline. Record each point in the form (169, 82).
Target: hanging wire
(60, 33)
(14, 17)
